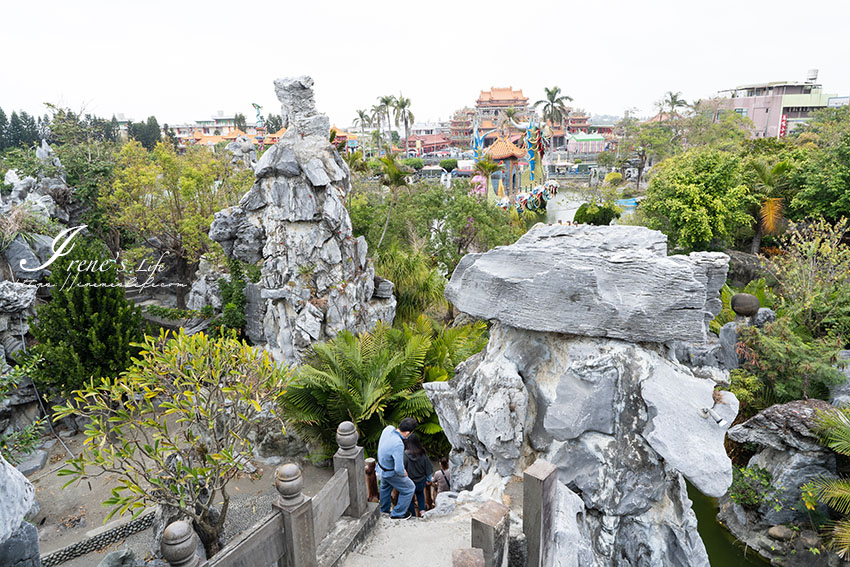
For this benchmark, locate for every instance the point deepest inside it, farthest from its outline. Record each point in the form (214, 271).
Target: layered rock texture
(317, 279)
(18, 539)
(580, 371)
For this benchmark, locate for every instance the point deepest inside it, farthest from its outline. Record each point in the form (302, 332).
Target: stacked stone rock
(579, 371)
(316, 277)
(18, 538)
(242, 152)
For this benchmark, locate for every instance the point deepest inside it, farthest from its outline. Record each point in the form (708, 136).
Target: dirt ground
(67, 514)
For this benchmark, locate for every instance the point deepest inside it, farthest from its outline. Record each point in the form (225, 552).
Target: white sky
(182, 61)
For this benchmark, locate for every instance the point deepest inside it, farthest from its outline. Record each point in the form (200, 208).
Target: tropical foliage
(834, 428)
(173, 429)
(375, 379)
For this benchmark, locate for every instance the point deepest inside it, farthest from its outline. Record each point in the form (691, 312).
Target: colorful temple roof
(504, 149)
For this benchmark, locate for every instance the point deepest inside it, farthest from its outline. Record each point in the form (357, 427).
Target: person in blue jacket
(391, 462)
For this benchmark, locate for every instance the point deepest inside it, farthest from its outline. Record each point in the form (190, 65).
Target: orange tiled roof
(235, 133)
(502, 94)
(206, 140)
(503, 149)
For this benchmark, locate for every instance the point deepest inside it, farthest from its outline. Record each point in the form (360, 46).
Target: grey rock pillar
(490, 532)
(297, 512)
(467, 558)
(179, 542)
(350, 457)
(539, 494)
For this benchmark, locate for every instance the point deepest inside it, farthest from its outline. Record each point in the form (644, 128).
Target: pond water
(722, 547)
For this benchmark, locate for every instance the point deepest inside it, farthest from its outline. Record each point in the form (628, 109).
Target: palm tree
(834, 427)
(508, 116)
(771, 182)
(419, 285)
(403, 115)
(364, 120)
(386, 104)
(554, 105)
(673, 101)
(376, 120)
(394, 176)
(487, 167)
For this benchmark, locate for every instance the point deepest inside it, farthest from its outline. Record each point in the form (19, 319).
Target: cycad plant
(834, 427)
(362, 379)
(375, 379)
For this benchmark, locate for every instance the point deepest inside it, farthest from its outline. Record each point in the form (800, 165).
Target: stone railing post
(490, 527)
(297, 512)
(539, 497)
(350, 457)
(179, 542)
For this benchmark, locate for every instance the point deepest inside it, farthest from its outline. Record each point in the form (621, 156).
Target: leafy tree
(448, 164)
(87, 328)
(173, 429)
(673, 101)
(166, 202)
(709, 125)
(418, 284)
(697, 199)
(813, 277)
(4, 126)
(825, 180)
(148, 133)
(274, 122)
(449, 222)
(239, 121)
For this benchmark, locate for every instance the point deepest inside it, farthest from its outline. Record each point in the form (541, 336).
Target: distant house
(582, 143)
(777, 108)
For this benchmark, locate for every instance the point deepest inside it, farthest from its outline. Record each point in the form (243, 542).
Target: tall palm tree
(554, 105)
(404, 115)
(364, 120)
(771, 183)
(377, 118)
(672, 101)
(834, 427)
(507, 117)
(487, 167)
(386, 104)
(393, 176)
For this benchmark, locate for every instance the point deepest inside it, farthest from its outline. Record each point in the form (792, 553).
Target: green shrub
(448, 164)
(414, 163)
(749, 390)
(600, 215)
(418, 284)
(757, 288)
(790, 366)
(87, 328)
(614, 178)
(753, 486)
(233, 299)
(17, 444)
(172, 313)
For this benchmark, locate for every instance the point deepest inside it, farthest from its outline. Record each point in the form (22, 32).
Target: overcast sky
(183, 61)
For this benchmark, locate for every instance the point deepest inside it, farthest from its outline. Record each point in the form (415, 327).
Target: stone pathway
(413, 542)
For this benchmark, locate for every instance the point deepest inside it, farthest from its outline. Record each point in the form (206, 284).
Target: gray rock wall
(579, 371)
(317, 279)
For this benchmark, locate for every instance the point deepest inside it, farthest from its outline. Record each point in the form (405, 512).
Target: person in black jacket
(419, 470)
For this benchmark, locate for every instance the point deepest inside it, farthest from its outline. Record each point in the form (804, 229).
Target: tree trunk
(757, 238)
(386, 224)
(208, 536)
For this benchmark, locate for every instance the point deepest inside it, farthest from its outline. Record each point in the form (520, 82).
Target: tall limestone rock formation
(316, 277)
(580, 371)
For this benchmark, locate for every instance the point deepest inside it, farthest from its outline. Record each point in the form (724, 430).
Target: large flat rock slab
(597, 281)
